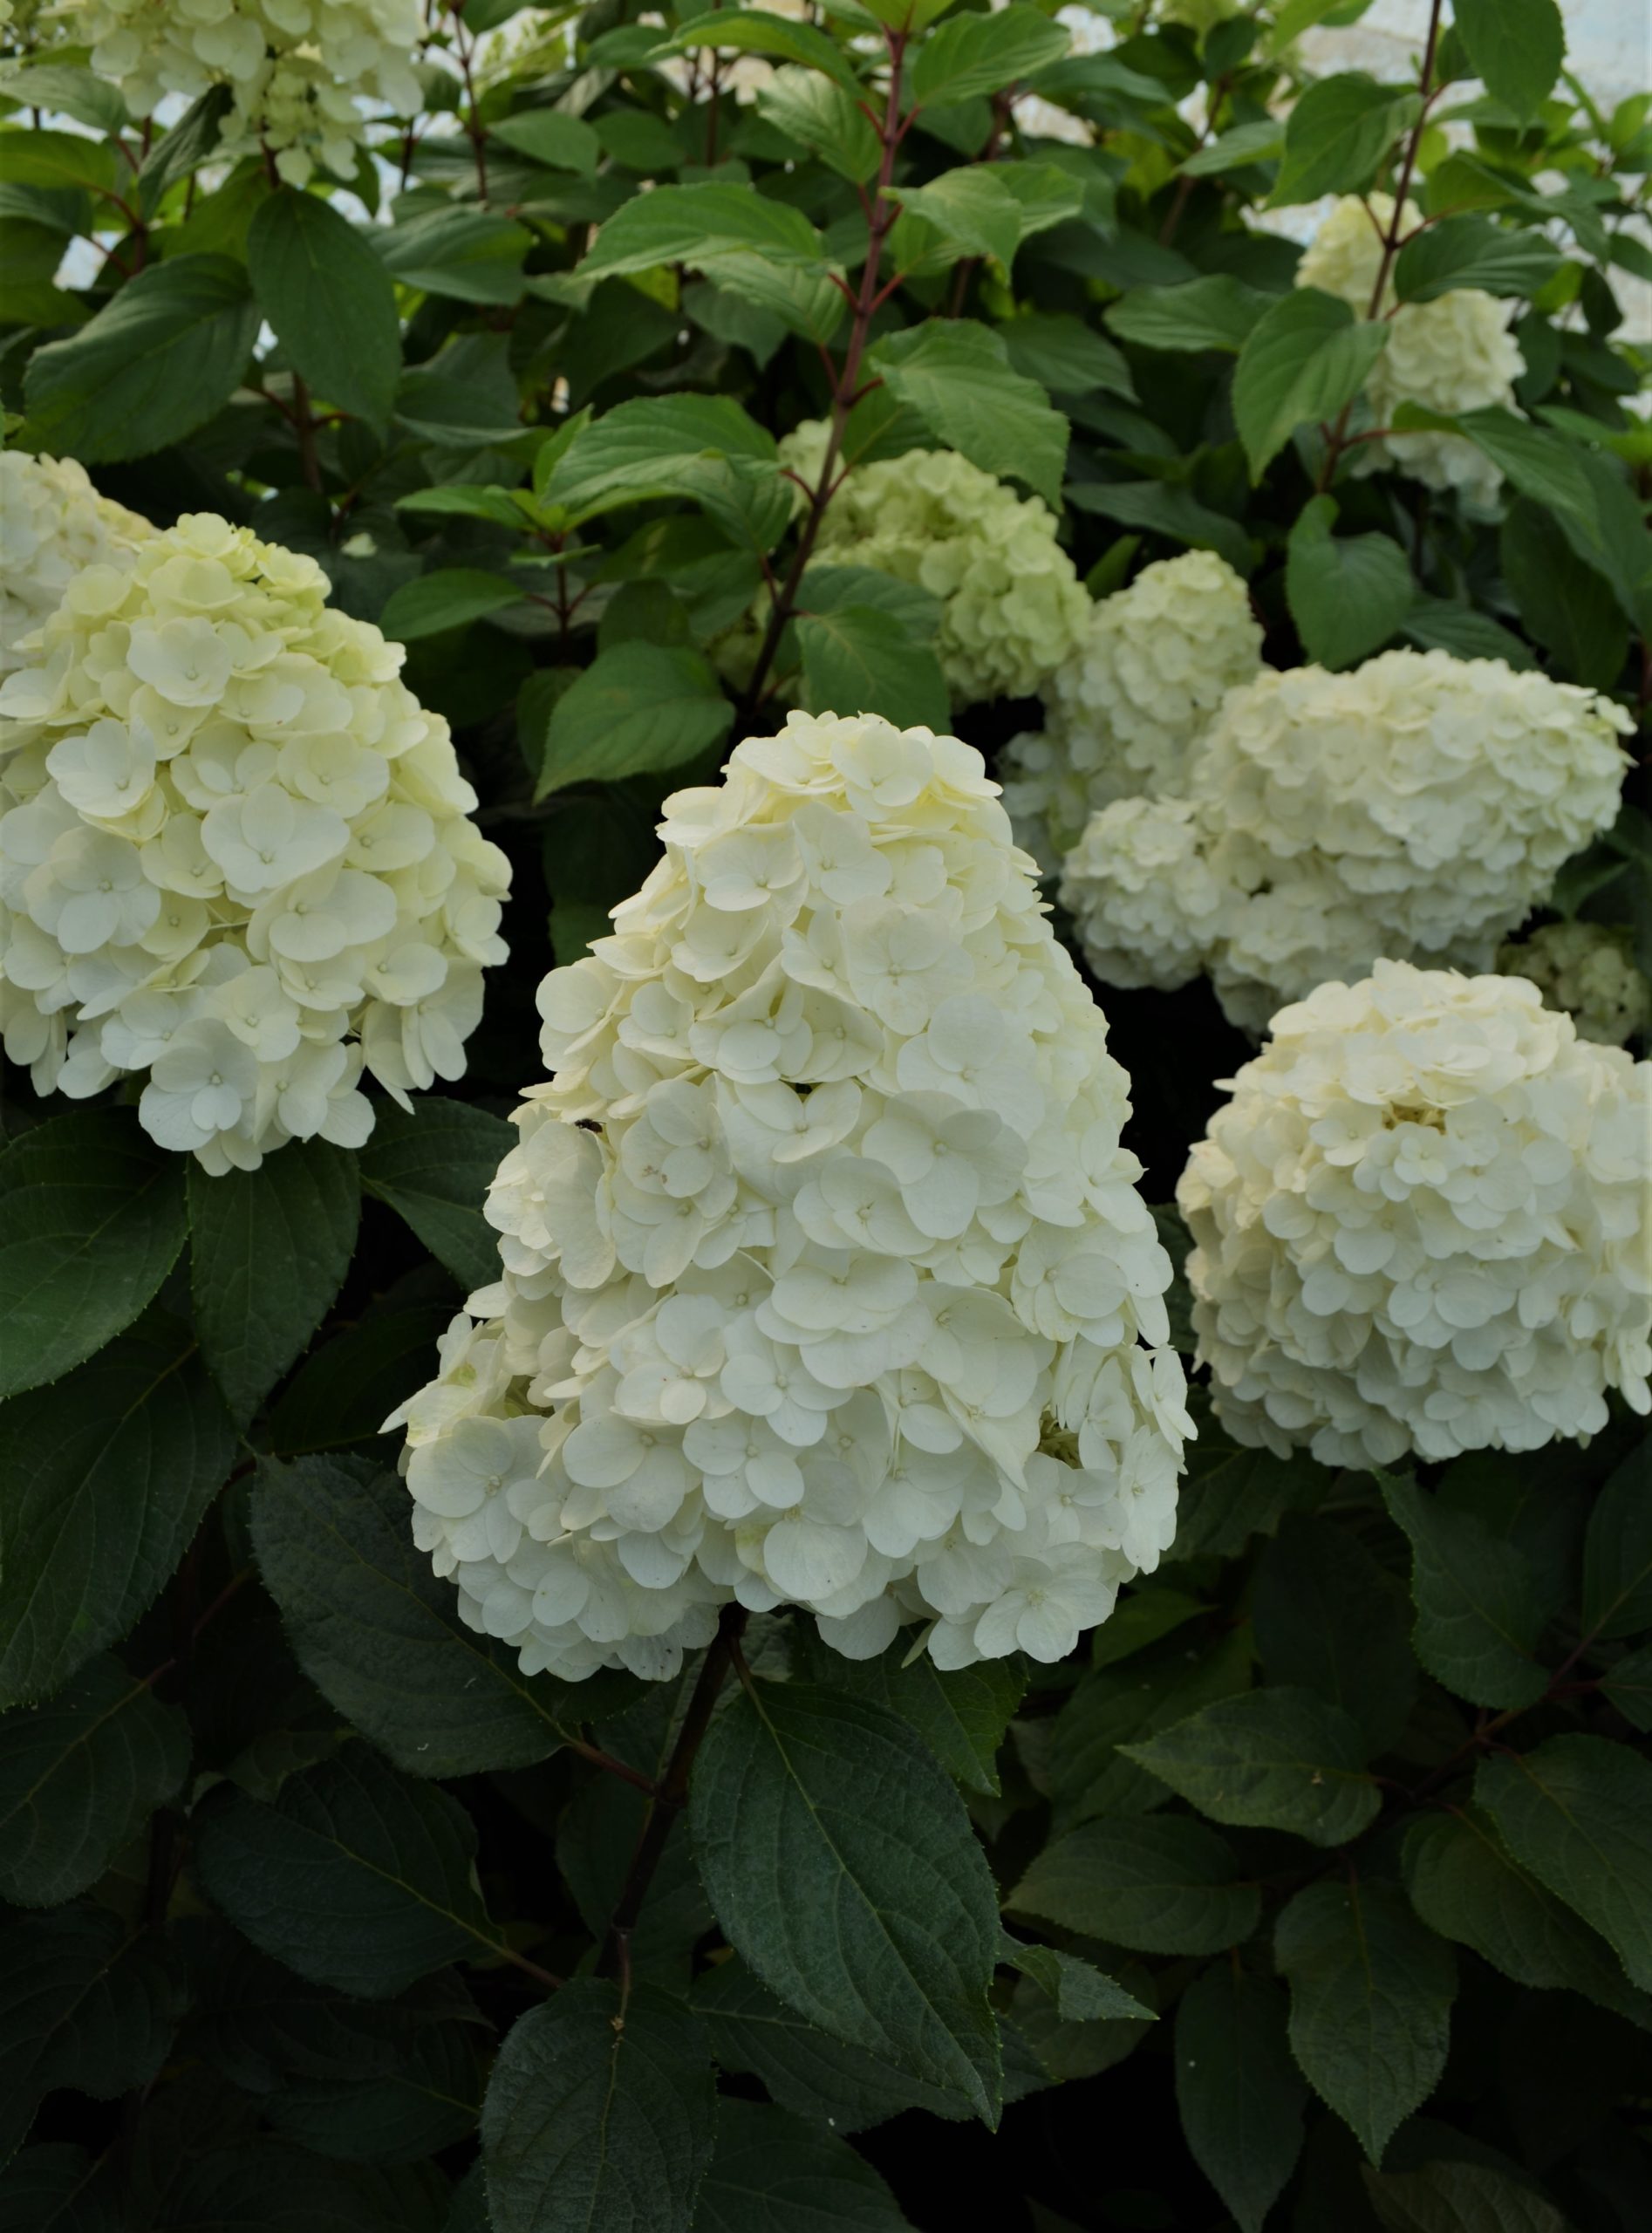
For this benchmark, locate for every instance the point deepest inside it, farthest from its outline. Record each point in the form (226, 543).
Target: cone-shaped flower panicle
(1421, 1223)
(826, 1280)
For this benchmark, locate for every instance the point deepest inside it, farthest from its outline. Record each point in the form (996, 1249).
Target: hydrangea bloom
(1588, 970)
(1421, 1224)
(295, 68)
(1122, 715)
(1012, 606)
(52, 522)
(234, 853)
(1417, 806)
(1453, 354)
(826, 1279)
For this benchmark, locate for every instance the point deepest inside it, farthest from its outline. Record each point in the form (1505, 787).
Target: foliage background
(1325, 1864)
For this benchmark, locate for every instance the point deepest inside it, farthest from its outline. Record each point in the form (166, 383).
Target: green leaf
(1371, 1993)
(805, 2069)
(755, 31)
(81, 2004)
(860, 659)
(466, 254)
(546, 135)
(380, 1637)
(1441, 624)
(1308, 357)
(1164, 508)
(1627, 1685)
(984, 54)
(1061, 353)
(704, 447)
(1158, 1884)
(64, 89)
(434, 1166)
(637, 707)
(1261, 142)
(1087, 1774)
(961, 1713)
(1240, 2095)
(345, 1389)
(775, 2173)
(1082, 1993)
(841, 1864)
(1330, 1619)
(820, 113)
(1277, 1759)
(1578, 1813)
(355, 1877)
(1214, 312)
(452, 598)
(1471, 251)
(1563, 601)
(92, 1219)
(956, 376)
(1230, 1493)
(1337, 136)
(183, 148)
(80, 1776)
(1141, 1619)
(1480, 1601)
(973, 212)
(1465, 1883)
(1516, 46)
(268, 1251)
(695, 225)
(385, 2108)
(599, 2112)
(1347, 596)
(498, 506)
(1448, 2197)
(1617, 1555)
(331, 301)
(108, 1474)
(154, 363)
(596, 1835)
(32, 156)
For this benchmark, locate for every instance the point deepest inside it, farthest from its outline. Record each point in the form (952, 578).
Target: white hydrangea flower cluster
(1453, 354)
(297, 69)
(1421, 1224)
(1124, 713)
(825, 1274)
(1012, 605)
(1586, 970)
(52, 523)
(234, 853)
(1417, 806)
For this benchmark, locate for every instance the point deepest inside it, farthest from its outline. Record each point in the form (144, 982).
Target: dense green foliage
(1317, 1887)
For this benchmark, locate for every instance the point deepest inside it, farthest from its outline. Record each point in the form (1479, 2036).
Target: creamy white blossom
(825, 1278)
(1588, 970)
(1421, 1224)
(1453, 354)
(297, 70)
(235, 852)
(52, 523)
(1124, 713)
(1417, 807)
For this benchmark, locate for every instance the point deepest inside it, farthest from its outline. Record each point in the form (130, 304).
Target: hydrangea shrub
(649, 1582)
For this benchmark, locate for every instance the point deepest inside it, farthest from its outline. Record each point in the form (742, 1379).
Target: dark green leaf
(775, 2173)
(1140, 1620)
(381, 1636)
(860, 659)
(1261, 142)
(1449, 2197)
(596, 1838)
(1347, 596)
(1627, 1685)
(703, 447)
(107, 1476)
(1466, 1884)
(1082, 1993)
(1617, 1554)
(1517, 46)
(1578, 1813)
(841, 1864)
(1159, 1884)
(1563, 600)
(154, 363)
(1215, 312)
(347, 1387)
(1279, 1759)
(1240, 2095)
(961, 1713)
(956, 376)
(80, 1775)
(469, 254)
(696, 225)
(546, 135)
(183, 148)
(1371, 1993)
(984, 54)
(595, 2119)
(81, 2004)
(1231, 1493)
(1167, 509)
(355, 1877)
(1308, 357)
(1063, 354)
(92, 1219)
(1327, 1617)
(636, 708)
(269, 1252)
(1087, 1774)
(1441, 624)
(331, 301)
(1471, 251)
(1480, 1601)
(55, 2187)
(450, 599)
(434, 1167)
(1337, 135)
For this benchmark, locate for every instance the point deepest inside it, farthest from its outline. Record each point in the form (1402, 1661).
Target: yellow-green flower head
(1421, 1224)
(1012, 605)
(235, 853)
(52, 523)
(1588, 971)
(825, 1277)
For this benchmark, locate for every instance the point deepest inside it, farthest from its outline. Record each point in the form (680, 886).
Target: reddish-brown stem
(598, 1758)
